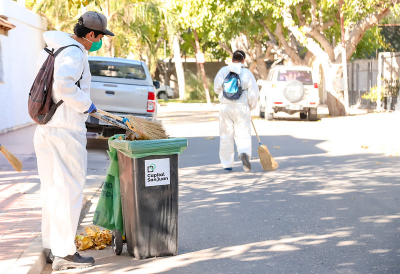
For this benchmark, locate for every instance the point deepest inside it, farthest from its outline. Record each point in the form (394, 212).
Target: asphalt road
(332, 206)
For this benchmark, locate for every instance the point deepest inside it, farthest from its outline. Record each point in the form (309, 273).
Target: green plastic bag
(144, 148)
(108, 212)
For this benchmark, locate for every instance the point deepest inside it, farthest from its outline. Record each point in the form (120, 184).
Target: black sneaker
(246, 162)
(72, 261)
(49, 257)
(228, 170)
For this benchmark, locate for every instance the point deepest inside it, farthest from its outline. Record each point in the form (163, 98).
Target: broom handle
(259, 141)
(119, 118)
(116, 117)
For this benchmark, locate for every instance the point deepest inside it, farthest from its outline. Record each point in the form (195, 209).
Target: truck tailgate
(119, 97)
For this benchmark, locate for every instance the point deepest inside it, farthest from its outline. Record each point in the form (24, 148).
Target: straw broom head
(12, 159)
(267, 161)
(147, 129)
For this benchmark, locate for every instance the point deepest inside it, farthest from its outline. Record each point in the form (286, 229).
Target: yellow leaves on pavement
(364, 147)
(377, 163)
(83, 242)
(210, 138)
(277, 147)
(94, 238)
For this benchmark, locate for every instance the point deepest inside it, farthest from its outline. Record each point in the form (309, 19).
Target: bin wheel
(116, 242)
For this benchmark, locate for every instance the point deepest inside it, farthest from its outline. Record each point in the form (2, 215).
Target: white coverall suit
(235, 118)
(60, 145)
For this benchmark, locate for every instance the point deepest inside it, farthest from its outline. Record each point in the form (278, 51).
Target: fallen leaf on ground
(83, 242)
(277, 147)
(377, 163)
(210, 138)
(305, 141)
(92, 231)
(211, 119)
(94, 238)
(364, 147)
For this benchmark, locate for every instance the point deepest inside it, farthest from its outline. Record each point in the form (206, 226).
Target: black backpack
(40, 104)
(232, 86)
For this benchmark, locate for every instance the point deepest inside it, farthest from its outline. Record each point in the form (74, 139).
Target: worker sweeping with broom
(238, 95)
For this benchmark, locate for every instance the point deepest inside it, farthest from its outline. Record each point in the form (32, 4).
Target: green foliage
(195, 88)
(389, 88)
(373, 39)
(373, 94)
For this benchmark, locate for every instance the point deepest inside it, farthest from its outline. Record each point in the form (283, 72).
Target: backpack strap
(55, 54)
(78, 83)
(62, 48)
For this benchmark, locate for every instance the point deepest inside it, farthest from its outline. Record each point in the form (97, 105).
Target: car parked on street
(290, 90)
(122, 87)
(165, 92)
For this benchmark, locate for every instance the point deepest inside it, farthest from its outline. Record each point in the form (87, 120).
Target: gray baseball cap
(96, 21)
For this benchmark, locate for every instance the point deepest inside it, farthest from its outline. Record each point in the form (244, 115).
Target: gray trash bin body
(149, 197)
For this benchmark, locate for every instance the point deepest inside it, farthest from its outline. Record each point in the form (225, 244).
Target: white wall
(19, 53)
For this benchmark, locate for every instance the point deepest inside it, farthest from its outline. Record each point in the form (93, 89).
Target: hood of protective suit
(69, 66)
(248, 82)
(57, 39)
(235, 67)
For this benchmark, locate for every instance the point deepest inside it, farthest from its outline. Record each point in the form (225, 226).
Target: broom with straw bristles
(146, 129)
(267, 161)
(12, 159)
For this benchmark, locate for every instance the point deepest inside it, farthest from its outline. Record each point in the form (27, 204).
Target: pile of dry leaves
(94, 238)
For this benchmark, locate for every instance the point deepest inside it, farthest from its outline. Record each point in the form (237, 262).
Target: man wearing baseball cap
(60, 145)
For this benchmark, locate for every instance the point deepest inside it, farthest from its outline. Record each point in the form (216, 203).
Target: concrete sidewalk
(20, 206)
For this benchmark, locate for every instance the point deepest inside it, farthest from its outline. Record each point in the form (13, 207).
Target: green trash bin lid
(144, 148)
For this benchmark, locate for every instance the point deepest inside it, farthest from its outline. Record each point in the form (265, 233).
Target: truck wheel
(163, 96)
(303, 115)
(262, 113)
(269, 116)
(312, 114)
(116, 242)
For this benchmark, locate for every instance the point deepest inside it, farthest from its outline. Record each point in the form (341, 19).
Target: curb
(33, 260)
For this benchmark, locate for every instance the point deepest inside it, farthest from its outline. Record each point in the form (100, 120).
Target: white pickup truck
(122, 87)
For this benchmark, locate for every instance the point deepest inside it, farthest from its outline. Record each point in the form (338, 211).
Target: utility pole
(165, 64)
(344, 60)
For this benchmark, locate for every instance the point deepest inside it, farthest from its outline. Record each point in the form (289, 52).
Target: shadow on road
(205, 151)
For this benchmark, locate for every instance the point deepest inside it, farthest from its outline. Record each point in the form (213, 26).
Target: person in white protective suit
(60, 145)
(235, 118)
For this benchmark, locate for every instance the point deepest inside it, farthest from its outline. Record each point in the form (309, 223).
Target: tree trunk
(108, 40)
(203, 72)
(261, 65)
(179, 68)
(335, 89)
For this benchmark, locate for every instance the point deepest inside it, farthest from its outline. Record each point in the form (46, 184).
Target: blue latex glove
(92, 108)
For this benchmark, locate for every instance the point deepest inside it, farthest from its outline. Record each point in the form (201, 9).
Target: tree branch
(308, 42)
(314, 21)
(225, 47)
(323, 41)
(327, 25)
(301, 16)
(270, 34)
(293, 54)
(361, 27)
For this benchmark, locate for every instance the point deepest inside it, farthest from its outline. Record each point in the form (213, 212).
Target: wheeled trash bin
(148, 173)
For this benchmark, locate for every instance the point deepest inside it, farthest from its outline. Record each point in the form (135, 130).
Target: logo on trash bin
(151, 168)
(157, 172)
